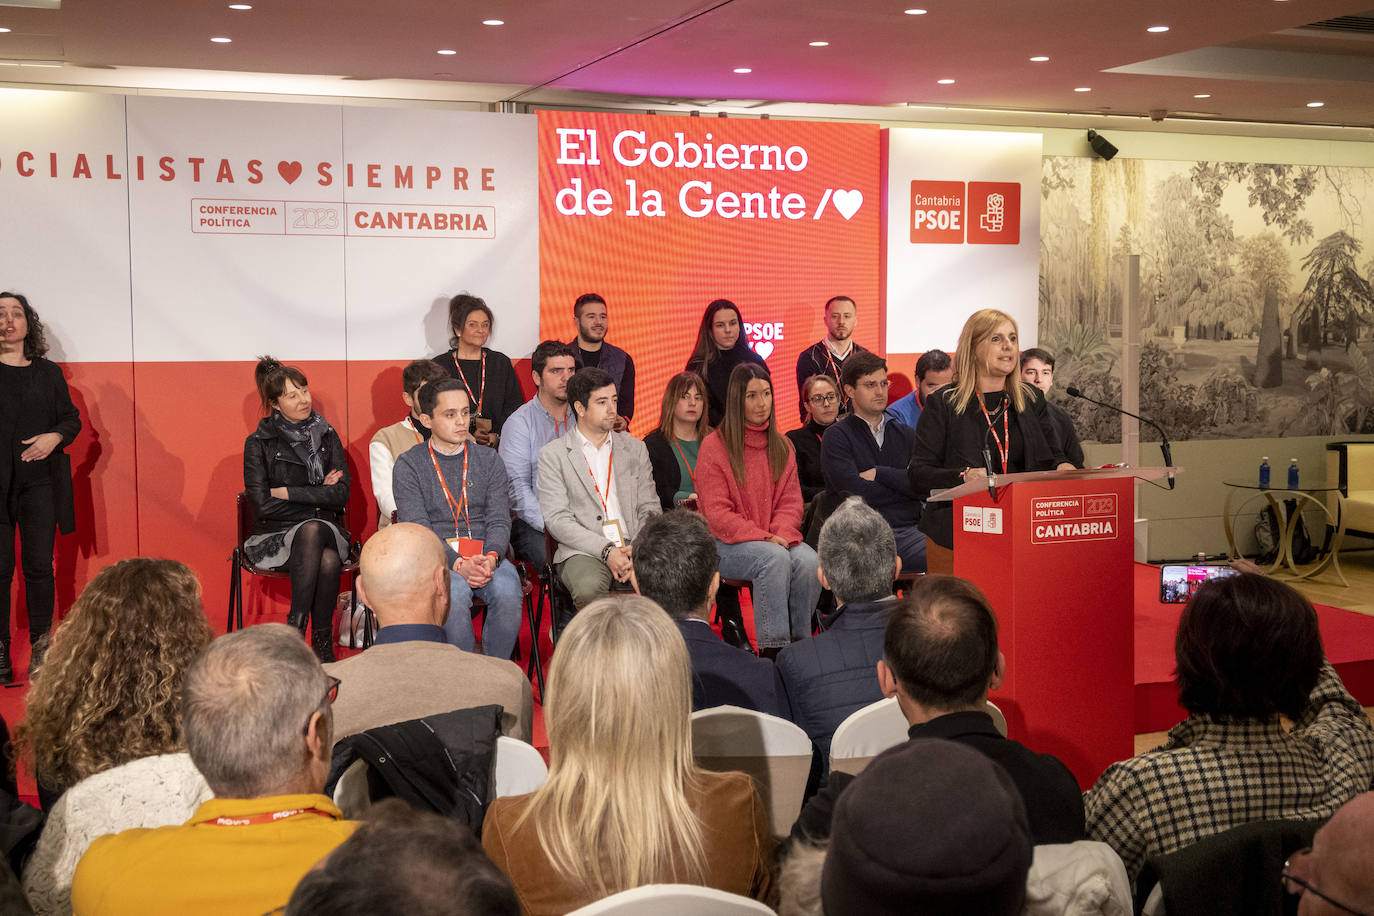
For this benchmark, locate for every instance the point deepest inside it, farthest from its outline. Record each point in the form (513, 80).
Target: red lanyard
(459, 506)
(411, 423)
(567, 422)
(1003, 447)
(269, 817)
(691, 471)
(482, 390)
(610, 462)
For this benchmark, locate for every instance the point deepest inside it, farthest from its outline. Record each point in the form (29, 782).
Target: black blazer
(725, 676)
(947, 442)
(269, 461)
(806, 443)
(663, 460)
(45, 406)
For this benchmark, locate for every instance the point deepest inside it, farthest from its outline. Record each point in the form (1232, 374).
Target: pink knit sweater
(765, 507)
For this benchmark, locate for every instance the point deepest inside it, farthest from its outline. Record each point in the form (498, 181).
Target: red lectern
(1053, 551)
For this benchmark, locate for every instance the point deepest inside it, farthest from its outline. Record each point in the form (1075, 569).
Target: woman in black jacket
(673, 445)
(487, 374)
(37, 421)
(296, 475)
(721, 346)
(821, 398)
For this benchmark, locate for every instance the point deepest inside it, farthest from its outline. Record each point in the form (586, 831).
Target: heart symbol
(764, 348)
(848, 202)
(290, 171)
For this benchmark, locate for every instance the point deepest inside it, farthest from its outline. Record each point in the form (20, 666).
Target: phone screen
(1177, 583)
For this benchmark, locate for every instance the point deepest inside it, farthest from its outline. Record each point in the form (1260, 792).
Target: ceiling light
(445, 51)
(240, 6)
(945, 82)
(1158, 28)
(221, 40)
(914, 12)
(52, 64)
(1083, 89)
(819, 44)
(744, 70)
(1315, 104)
(493, 22)
(1040, 59)
(1203, 95)
(2, 29)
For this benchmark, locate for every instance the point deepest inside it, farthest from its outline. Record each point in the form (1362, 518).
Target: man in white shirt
(827, 356)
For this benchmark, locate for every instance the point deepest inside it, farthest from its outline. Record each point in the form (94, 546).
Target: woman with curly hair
(103, 725)
(37, 421)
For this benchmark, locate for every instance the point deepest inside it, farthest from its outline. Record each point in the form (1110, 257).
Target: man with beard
(590, 349)
(827, 356)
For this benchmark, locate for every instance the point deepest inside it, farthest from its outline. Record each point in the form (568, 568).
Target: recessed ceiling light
(1203, 95)
(914, 12)
(240, 6)
(1315, 104)
(945, 82)
(445, 51)
(1083, 89)
(744, 70)
(493, 22)
(1040, 59)
(1158, 28)
(819, 44)
(221, 40)
(3, 29)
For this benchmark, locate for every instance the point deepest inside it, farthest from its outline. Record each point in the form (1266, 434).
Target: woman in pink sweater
(746, 478)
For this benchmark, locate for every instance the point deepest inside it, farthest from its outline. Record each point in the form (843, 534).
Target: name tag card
(467, 548)
(613, 532)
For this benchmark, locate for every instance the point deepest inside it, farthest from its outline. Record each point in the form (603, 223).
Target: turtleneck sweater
(755, 512)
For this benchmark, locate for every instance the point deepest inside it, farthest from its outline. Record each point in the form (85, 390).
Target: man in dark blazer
(832, 674)
(675, 566)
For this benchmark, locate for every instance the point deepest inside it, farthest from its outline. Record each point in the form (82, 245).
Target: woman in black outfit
(487, 374)
(721, 346)
(673, 445)
(821, 399)
(986, 407)
(295, 473)
(37, 421)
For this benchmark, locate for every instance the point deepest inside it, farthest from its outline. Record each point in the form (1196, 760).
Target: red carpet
(1347, 636)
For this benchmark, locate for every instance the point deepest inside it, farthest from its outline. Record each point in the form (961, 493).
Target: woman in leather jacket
(296, 475)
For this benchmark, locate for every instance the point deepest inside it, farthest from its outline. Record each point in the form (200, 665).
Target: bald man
(1334, 877)
(411, 669)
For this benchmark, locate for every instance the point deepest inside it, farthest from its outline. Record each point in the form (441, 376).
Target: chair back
(1088, 873)
(999, 721)
(775, 752)
(673, 900)
(351, 794)
(246, 514)
(865, 734)
(517, 769)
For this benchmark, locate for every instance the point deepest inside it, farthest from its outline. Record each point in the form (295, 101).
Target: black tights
(314, 566)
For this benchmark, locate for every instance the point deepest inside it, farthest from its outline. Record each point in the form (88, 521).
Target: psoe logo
(994, 213)
(763, 337)
(956, 213)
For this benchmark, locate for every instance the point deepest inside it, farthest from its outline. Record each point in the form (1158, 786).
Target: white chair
(673, 900)
(1086, 877)
(998, 720)
(350, 792)
(865, 734)
(774, 751)
(517, 769)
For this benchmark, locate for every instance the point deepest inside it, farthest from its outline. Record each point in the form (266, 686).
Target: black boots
(323, 644)
(36, 652)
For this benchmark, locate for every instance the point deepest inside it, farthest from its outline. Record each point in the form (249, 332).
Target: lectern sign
(1089, 517)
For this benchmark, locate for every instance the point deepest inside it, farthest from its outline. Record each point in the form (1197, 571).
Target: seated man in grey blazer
(596, 490)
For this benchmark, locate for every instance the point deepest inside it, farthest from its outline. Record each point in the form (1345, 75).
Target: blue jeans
(500, 623)
(785, 587)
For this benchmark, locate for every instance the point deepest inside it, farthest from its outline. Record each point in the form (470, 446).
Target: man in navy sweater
(459, 490)
(867, 453)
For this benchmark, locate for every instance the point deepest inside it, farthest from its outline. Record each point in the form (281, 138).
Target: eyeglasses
(330, 695)
(1292, 884)
(830, 398)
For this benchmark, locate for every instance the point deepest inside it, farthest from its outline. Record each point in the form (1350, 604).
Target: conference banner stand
(1053, 551)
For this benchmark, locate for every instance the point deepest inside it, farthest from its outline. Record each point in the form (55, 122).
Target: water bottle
(1293, 474)
(1264, 473)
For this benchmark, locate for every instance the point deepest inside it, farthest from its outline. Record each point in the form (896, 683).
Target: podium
(1054, 553)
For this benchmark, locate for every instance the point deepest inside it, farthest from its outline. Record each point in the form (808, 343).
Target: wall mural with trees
(1256, 313)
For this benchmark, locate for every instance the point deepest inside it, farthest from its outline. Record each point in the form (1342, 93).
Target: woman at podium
(986, 420)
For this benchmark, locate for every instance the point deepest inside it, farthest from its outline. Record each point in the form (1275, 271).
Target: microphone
(1163, 436)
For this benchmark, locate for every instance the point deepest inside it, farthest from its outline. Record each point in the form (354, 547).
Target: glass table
(1239, 493)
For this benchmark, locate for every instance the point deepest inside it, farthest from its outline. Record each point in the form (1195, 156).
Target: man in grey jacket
(596, 490)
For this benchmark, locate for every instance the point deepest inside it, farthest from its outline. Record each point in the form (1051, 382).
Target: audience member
(832, 674)
(405, 862)
(867, 454)
(103, 720)
(536, 423)
(391, 442)
(412, 670)
(1248, 652)
(590, 349)
(827, 356)
(459, 490)
(1037, 367)
(674, 445)
(934, 370)
(928, 827)
(940, 658)
(1334, 877)
(257, 723)
(675, 566)
(295, 474)
(624, 804)
(594, 504)
(487, 375)
(36, 497)
(720, 347)
(820, 396)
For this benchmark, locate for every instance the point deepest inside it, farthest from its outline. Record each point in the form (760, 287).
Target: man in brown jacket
(411, 669)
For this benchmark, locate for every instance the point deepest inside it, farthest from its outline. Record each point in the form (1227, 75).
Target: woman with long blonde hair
(986, 419)
(624, 804)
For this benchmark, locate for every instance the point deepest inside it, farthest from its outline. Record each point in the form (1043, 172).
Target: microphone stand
(1163, 436)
